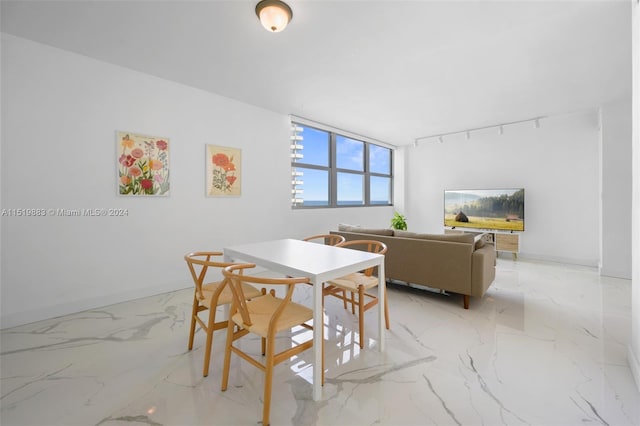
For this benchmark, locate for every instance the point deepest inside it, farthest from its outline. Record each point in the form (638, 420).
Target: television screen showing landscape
(500, 209)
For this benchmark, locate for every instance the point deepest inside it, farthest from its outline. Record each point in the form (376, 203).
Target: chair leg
(227, 355)
(344, 298)
(268, 378)
(386, 309)
(192, 329)
(207, 352)
(263, 341)
(353, 303)
(361, 314)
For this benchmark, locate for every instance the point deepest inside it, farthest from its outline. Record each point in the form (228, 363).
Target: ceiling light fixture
(274, 15)
(467, 132)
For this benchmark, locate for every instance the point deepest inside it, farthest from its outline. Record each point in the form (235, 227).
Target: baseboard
(48, 312)
(557, 259)
(634, 364)
(607, 272)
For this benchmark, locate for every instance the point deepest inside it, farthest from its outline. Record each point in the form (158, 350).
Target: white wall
(616, 185)
(557, 164)
(60, 112)
(634, 348)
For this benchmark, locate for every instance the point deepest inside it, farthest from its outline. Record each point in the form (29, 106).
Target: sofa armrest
(483, 269)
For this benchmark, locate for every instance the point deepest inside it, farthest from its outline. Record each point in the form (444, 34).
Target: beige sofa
(457, 263)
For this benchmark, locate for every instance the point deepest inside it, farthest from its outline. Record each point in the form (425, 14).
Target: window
(329, 169)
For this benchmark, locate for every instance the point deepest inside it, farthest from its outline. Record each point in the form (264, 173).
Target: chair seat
(351, 282)
(262, 309)
(226, 296)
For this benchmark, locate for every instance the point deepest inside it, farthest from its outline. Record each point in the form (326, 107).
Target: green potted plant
(399, 222)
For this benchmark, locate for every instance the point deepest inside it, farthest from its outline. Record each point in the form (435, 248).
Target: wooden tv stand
(503, 241)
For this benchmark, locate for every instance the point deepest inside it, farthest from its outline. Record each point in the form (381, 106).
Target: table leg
(318, 335)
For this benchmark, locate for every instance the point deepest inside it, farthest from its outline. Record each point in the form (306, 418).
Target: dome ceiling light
(274, 15)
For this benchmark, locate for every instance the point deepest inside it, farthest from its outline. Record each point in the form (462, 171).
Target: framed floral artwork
(223, 171)
(143, 165)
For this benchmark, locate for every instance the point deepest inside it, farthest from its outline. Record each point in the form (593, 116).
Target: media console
(503, 241)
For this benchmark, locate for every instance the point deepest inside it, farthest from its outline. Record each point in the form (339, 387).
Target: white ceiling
(391, 70)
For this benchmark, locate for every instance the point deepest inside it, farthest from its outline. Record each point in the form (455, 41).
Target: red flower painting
(143, 165)
(223, 174)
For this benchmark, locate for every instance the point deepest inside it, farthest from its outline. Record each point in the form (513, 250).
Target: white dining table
(320, 263)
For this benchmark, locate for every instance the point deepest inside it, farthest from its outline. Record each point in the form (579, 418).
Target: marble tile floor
(547, 345)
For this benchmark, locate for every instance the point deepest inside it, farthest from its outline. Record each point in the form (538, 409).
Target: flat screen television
(492, 209)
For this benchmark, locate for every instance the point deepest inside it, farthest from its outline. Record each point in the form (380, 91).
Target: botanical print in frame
(143, 165)
(223, 171)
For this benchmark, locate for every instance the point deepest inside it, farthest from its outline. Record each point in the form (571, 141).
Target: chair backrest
(327, 239)
(199, 263)
(235, 276)
(372, 246)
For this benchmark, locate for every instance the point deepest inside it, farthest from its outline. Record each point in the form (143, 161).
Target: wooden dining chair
(208, 296)
(331, 240)
(358, 283)
(327, 239)
(265, 316)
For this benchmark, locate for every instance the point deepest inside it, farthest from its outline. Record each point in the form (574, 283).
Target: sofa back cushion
(355, 228)
(454, 238)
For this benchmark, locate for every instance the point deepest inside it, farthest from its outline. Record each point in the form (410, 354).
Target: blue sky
(350, 155)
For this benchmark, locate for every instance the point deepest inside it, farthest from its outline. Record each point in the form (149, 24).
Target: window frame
(333, 170)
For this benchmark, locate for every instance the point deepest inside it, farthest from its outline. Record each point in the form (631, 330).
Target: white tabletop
(302, 258)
